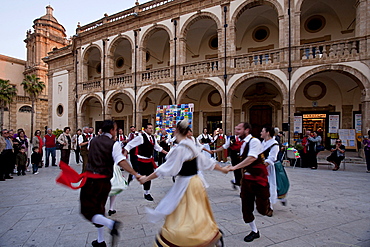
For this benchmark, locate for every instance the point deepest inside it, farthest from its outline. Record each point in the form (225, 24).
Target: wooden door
(259, 115)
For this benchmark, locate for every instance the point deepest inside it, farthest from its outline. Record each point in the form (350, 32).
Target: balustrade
(120, 80)
(257, 59)
(200, 67)
(91, 85)
(156, 74)
(336, 49)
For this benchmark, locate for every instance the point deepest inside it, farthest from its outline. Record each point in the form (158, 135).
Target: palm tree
(33, 87)
(7, 93)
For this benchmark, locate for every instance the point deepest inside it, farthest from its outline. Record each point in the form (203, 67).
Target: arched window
(25, 108)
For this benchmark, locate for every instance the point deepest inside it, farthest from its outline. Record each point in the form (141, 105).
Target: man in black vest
(146, 144)
(255, 186)
(104, 152)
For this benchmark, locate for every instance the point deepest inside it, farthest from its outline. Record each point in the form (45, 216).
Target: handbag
(320, 148)
(118, 181)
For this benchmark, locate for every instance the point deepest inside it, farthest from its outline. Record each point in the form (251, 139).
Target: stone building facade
(236, 60)
(47, 35)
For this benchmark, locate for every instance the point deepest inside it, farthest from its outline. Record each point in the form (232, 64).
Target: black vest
(146, 149)
(205, 140)
(84, 148)
(244, 155)
(234, 154)
(189, 168)
(100, 156)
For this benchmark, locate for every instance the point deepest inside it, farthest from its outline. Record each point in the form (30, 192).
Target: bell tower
(47, 35)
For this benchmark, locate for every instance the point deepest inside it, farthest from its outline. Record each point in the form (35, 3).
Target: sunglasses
(338, 141)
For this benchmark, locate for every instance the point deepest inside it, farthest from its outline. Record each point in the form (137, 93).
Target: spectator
(76, 146)
(37, 142)
(83, 141)
(21, 161)
(49, 142)
(366, 143)
(337, 154)
(66, 141)
(35, 160)
(305, 157)
(313, 142)
(91, 131)
(121, 138)
(6, 150)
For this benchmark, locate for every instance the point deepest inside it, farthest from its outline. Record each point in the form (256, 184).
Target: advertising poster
(358, 123)
(297, 124)
(168, 116)
(333, 123)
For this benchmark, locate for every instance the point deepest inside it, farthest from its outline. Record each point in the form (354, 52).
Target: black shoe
(110, 212)
(234, 185)
(53, 165)
(284, 203)
(114, 233)
(96, 244)
(148, 197)
(9, 177)
(129, 179)
(270, 213)
(46, 165)
(2, 179)
(251, 236)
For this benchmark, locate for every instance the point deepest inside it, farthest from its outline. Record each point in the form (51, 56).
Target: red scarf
(69, 176)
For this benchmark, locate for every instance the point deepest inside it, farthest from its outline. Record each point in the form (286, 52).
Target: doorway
(259, 115)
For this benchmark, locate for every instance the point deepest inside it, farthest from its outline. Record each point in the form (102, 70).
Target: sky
(17, 17)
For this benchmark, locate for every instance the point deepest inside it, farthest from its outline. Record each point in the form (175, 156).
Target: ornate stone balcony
(353, 49)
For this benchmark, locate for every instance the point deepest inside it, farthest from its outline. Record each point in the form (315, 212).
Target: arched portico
(331, 90)
(208, 99)
(90, 112)
(120, 108)
(148, 100)
(258, 100)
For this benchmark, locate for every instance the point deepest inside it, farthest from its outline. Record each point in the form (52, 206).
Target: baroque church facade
(303, 62)
(47, 34)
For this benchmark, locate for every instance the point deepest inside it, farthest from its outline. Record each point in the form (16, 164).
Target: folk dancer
(270, 147)
(104, 152)
(146, 144)
(187, 199)
(205, 139)
(83, 141)
(220, 139)
(255, 186)
(133, 152)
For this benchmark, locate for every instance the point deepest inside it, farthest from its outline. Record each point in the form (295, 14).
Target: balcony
(354, 49)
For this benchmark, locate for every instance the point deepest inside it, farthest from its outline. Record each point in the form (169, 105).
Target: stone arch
(252, 3)
(108, 104)
(195, 18)
(83, 100)
(148, 89)
(276, 81)
(114, 42)
(151, 30)
(351, 72)
(205, 81)
(88, 48)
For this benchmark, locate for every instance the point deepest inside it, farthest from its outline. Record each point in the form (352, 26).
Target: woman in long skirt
(188, 215)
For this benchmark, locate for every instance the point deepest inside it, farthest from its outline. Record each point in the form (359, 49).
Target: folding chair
(291, 155)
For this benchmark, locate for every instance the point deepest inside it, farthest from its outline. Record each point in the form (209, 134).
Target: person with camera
(366, 143)
(337, 154)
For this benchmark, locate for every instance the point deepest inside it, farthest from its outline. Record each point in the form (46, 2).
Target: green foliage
(57, 132)
(7, 93)
(298, 146)
(33, 86)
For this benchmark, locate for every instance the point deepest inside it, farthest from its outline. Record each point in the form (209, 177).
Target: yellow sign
(314, 115)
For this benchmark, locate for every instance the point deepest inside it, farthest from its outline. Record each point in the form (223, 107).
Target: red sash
(151, 160)
(69, 176)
